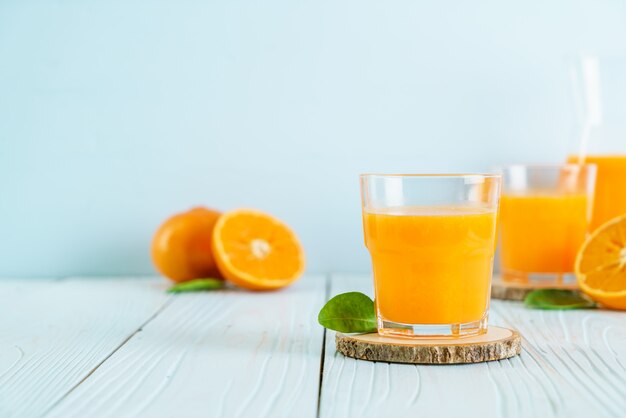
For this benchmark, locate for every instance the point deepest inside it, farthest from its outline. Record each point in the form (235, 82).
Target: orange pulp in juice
(432, 265)
(610, 192)
(541, 233)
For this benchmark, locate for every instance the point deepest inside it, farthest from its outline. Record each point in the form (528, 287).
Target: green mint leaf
(196, 285)
(349, 312)
(557, 299)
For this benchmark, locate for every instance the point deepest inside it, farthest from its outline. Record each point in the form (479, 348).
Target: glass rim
(546, 166)
(432, 175)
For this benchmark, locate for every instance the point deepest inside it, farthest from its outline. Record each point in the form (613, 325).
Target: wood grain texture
(215, 354)
(572, 365)
(576, 357)
(497, 344)
(53, 333)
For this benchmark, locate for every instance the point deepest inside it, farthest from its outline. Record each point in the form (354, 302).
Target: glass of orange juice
(432, 241)
(545, 214)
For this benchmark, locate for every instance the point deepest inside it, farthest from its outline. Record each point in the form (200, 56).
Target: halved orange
(257, 251)
(601, 264)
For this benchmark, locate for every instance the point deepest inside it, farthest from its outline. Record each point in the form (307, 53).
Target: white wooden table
(85, 347)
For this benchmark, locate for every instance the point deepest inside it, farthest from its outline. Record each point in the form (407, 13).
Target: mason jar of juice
(610, 192)
(600, 86)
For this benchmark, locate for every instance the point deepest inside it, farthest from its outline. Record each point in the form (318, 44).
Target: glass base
(539, 279)
(397, 329)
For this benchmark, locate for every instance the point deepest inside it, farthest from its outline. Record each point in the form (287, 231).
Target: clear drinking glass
(545, 213)
(432, 241)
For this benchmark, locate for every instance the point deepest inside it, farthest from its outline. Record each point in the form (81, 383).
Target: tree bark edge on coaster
(497, 344)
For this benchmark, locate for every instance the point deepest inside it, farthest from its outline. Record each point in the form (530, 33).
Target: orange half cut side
(256, 251)
(601, 264)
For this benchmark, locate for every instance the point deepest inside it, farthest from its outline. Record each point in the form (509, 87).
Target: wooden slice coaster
(518, 291)
(497, 344)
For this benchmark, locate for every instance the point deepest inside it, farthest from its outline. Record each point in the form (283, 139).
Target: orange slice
(256, 251)
(601, 264)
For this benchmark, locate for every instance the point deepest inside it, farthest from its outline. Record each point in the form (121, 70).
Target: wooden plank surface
(215, 354)
(53, 333)
(572, 365)
(122, 347)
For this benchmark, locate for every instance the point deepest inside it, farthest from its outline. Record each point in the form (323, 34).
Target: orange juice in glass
(610, 193)
(431, 239)
(544, 219)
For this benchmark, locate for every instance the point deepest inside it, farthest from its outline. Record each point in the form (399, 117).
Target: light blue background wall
(116, 114)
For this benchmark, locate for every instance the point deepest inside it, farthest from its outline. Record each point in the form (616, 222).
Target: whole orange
(182, 249)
